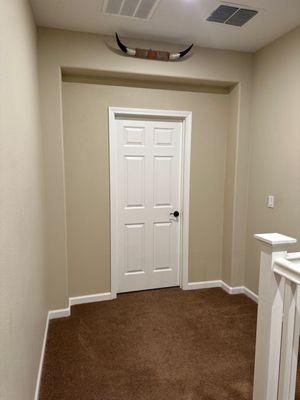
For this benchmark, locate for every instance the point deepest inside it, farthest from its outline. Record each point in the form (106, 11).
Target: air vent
(232, 15)
(138, 9)
(222, 14)
(241, 17)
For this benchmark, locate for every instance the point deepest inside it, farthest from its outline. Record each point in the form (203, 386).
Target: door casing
(186, 118)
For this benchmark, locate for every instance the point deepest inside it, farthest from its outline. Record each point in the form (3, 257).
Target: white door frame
(186, 118)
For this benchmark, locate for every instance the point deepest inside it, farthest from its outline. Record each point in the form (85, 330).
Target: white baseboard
(250, 294)
(39, 376)
(64, 312)
(232, 290)
(91, 298)
(202, 285)
(219, 283)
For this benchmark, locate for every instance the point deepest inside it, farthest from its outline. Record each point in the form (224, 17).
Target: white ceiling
(175, 21)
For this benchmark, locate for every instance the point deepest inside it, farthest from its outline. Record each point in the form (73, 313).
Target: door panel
(163, 136)
(162, 181)
(162, 246)
(134, 136)
(149, 178)
(134, 248)
(134, 181)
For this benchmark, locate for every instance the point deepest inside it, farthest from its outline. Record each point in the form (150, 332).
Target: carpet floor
(153, 345)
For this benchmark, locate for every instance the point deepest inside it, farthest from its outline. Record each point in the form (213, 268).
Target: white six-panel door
(148, 190)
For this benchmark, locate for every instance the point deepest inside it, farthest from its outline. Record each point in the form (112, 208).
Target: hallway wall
(23, 307)
(275, 137)
(96, 54)
(85, 114)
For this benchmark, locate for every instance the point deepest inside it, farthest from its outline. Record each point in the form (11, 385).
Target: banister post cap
(275, 239)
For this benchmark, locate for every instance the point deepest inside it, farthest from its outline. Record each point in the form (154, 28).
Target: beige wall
(89, 51)
(275, 135)
(22, 268)
(85, 110)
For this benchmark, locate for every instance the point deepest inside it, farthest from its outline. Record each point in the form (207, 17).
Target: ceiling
(176, 21)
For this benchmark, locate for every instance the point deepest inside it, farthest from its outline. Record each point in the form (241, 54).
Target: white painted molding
(187, 141)
(293, 256)
(202, 285)
(274, 239)
(232, 290)
(219, 283)
(253, 296)
(91, 298)
(39, 375)
(288, 269)
(64, 312)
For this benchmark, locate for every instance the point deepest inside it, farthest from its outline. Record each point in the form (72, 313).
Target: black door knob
(175, 213)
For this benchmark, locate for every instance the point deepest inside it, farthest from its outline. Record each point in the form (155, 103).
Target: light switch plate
(271, 201)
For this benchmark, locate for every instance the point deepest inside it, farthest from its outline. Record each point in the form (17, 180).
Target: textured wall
(22, 268)
(275, 136)
(87, 178)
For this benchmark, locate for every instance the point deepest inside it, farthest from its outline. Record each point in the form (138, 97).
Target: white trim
(64, 312)
(186, 165)
(287, 269)
(91, 298)
(219, 283)
(186, 118)
(202, 285)
(275, 239)
(251, 294)
(233, 290)
(39, 375)
(147, 112)
(113, 184)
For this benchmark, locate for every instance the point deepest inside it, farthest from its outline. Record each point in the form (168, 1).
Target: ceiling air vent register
(232, 15)
(137, 9)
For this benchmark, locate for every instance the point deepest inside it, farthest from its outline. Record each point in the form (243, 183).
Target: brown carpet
(154, 345)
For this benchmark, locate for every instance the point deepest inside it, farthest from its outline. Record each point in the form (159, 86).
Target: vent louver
(137, 9)
(241, 17)
(222, 14)
(231, 15)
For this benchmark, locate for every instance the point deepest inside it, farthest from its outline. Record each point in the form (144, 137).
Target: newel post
(269, 318)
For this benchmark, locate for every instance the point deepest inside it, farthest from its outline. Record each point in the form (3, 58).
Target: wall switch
(271, 201)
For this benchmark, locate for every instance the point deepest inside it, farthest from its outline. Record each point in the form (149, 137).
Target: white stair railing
(278, 321)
